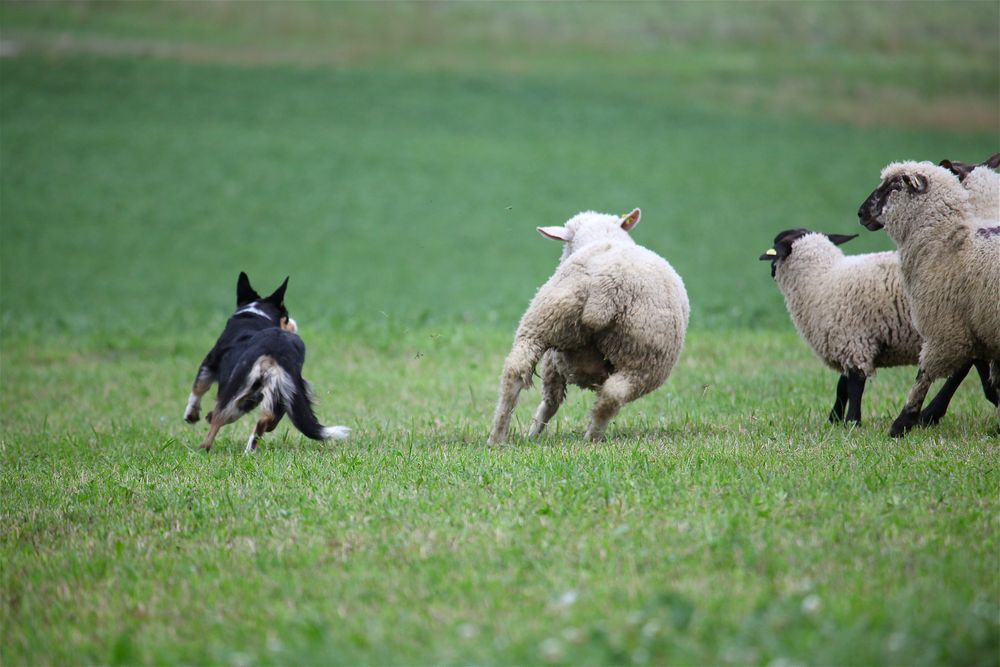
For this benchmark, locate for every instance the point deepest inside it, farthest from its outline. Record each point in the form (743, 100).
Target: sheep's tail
(295, 397)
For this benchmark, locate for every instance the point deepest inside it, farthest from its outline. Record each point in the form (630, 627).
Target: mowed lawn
(145, 160)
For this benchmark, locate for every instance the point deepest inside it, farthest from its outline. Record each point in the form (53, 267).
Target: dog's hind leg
(266, 423)
(278, 413)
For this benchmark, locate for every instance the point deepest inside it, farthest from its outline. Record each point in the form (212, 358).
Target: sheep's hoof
(928, 418)
(903, 423)
(834, 418)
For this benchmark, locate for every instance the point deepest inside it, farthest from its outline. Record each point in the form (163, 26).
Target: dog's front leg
(202, 383)
(217, 422)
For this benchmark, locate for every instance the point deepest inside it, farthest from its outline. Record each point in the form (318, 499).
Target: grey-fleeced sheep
(983, 184)
(612, 318)
(854, 314)
(950, 264)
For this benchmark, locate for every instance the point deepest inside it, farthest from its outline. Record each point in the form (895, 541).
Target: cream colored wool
(951, 273)
(611, 318)
(983, 185)
(851, 310)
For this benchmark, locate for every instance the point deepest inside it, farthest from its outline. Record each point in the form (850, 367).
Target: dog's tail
(294, 395)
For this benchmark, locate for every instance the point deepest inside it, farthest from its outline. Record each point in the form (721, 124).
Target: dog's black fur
(258, 361)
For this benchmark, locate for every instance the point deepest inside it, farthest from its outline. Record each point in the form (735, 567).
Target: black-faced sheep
(854, 314)
(950, 263)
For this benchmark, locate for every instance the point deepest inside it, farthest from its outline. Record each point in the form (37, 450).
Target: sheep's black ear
(278, 297)
(840, 239)
(960, 169)
(915, 183)
(244, 292)
(992, 162)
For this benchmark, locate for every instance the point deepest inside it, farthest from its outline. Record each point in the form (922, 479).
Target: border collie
(257, 361)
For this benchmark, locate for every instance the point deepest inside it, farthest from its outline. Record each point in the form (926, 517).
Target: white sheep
(950, 264)
(612, 318)
(854, 314)
(983, 184)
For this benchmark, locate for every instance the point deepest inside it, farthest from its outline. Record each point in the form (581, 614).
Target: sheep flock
(613, 316)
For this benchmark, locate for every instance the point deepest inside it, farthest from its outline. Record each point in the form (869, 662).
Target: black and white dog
(258, 361)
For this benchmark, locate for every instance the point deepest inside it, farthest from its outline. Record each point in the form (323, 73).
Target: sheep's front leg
(517, 371)
(553, 394)
(620, 388)
(837, 413)
(855, 390)
(202, 383)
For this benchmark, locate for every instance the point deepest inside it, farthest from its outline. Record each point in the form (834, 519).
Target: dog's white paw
(336, 432)
(193, 410)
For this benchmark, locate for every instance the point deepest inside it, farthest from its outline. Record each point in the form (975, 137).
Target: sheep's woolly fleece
(983, 185)
(851, 310)
(951, 273)
(612, 317)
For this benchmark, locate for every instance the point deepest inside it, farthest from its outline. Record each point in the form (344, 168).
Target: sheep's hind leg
(855, 390)
(910, 415)
(990, 381)
(620, 388)
(995, 381)
(837, 413)
(517, 370)
(938, 406)
(553, 394)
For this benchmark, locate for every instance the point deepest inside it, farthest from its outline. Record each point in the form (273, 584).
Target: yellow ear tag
(771, 252)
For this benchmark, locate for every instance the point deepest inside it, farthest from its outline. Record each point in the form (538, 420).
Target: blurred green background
(395, 158)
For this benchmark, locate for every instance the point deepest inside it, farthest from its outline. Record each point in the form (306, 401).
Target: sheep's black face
(782, 247)
(871, 209)
(785, 240)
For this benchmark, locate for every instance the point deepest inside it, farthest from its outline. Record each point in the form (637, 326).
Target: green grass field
(394, 159)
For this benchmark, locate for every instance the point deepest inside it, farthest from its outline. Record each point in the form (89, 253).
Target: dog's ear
(278, 297)
(244, 292)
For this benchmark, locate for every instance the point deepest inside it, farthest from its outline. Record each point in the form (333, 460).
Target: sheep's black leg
(937, 408)
(910, 415)
(837, 414)
(988, 385)
(855, 389)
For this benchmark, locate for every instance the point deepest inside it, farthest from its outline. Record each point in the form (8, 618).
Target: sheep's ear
(244, 292)
(960, 169)
(840, 239)
(915, 183)
(992, 162)
(557, 233)
(630, 220)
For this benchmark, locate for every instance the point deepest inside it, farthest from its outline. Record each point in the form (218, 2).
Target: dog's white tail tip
(336, 432)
